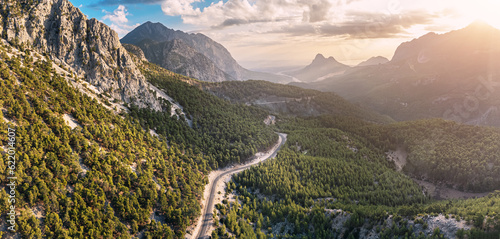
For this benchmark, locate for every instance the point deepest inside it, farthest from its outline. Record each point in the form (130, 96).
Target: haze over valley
(249, 119)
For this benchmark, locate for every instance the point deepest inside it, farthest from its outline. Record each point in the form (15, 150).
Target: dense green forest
(107, 200)
(106, 177)
(323, 169)
(327, 163)
(462, 156)
(224, 132)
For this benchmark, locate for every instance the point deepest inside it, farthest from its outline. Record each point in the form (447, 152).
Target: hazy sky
(261, 33)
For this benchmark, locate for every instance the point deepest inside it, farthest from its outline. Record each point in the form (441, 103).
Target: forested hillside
(327, 163)
(95, 180)
(105, 175)
(333, 181)
(455, 155)
(224, 132)
(461, 156)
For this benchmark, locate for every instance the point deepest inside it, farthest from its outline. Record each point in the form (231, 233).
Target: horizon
(164, 134)
(272, 35)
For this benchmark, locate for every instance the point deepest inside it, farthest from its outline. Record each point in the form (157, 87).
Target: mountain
(374, 61)
(451, 76)
(181, 58)
(474, 41)
(184, 53)
(81, 159)
(86, 47)
(320, 68)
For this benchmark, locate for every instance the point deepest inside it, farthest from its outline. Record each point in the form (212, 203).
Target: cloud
(317, 11)
(241, 12)
(364, 25)
(119, 20)
(119, 15)
(123, 2)
(238, 21)
(298, 17)
(179, 7)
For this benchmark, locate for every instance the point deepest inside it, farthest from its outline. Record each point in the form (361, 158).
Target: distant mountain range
(452, 76)
(194, 55)
(322, 68)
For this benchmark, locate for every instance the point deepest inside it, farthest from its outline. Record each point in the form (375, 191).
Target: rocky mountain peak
(319, 68)
(213, 61)
(319, 57)
(321, 60)
(136, 51)
(214, 51)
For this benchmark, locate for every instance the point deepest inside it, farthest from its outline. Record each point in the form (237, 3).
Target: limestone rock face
(89, 47)
(180, 58)
(136, 51)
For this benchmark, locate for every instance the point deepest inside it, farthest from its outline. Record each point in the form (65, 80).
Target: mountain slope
(374, 61)
(88, 47)
(201, 43)
(91, 165)
(319, 68)
(182, 59)
(100, 176)
(218, 54)
(452, 76)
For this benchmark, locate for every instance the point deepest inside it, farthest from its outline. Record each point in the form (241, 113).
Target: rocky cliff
(136, 51)
(181, 58)
(88, 47)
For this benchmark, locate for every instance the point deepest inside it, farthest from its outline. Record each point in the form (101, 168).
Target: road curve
(207, 213)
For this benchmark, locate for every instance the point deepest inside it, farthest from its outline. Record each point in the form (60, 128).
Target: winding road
(207, 219)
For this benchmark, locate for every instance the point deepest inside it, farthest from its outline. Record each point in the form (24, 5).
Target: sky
(282, 33)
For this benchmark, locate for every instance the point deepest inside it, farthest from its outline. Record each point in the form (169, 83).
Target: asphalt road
(207, 214)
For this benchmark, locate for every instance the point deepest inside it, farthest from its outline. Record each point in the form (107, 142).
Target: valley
(150, 132)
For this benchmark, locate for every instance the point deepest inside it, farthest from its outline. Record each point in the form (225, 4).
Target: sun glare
(483, 10)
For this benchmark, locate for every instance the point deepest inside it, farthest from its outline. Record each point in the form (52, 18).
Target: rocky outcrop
(136, 51)
(180, 58)
(90, 48)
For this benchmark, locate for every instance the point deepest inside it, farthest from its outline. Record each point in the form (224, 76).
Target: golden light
(483, 10)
